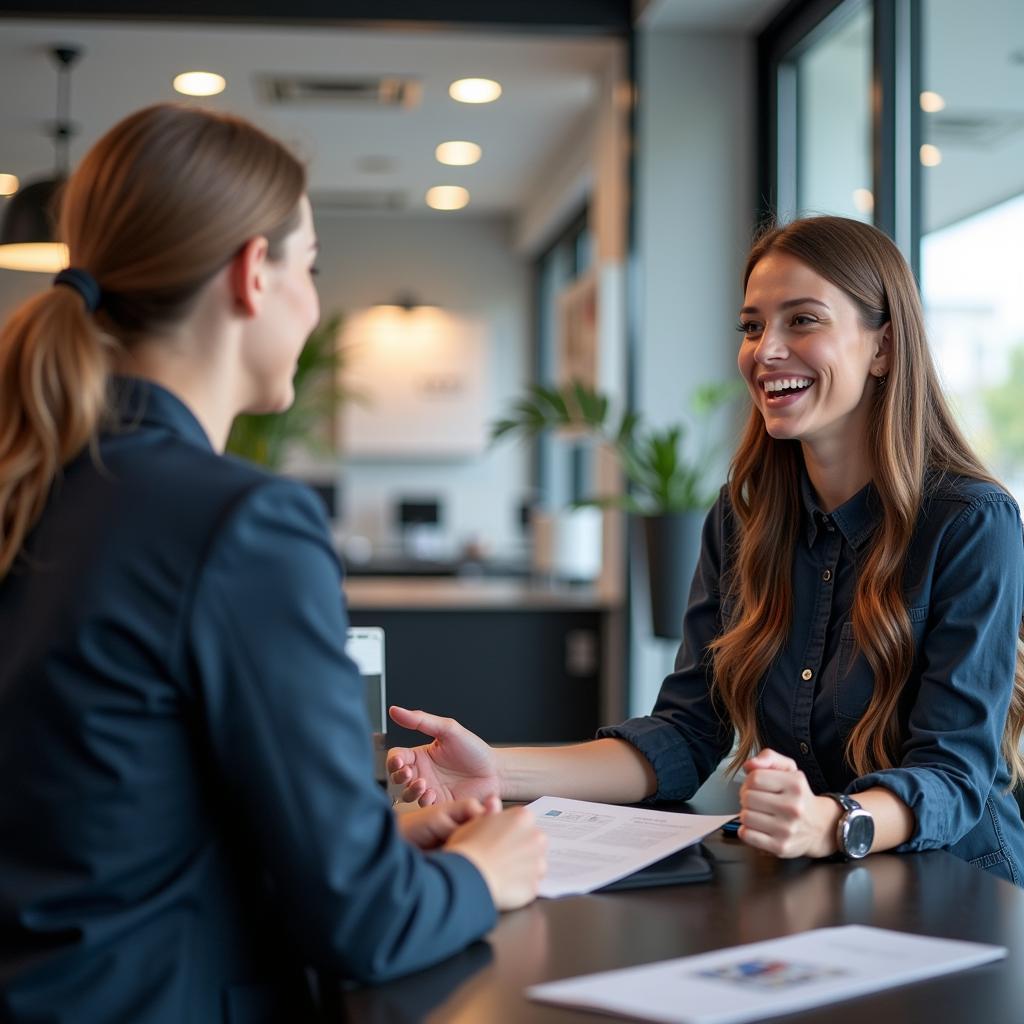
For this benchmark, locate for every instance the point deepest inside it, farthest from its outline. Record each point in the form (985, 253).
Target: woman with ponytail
(188, 816)
(852, 639)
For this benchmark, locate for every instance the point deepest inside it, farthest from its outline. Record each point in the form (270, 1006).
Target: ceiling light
(474, 90)
(28, 236)
(447, 197)
(932, 102)
(931, 156)
(8, 184)
(199, 83)
(458, 154)
(864, 200)
(41, 257)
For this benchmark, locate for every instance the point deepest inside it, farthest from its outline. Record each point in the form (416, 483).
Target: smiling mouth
(784, 390)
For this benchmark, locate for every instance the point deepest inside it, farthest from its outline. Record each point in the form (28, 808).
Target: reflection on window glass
(834, 120)
(972, 270)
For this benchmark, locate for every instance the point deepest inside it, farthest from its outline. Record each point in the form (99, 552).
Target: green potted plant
(668, 490)
(265, 438)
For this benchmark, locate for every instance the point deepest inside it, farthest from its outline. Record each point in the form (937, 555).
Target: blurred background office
(580, 214)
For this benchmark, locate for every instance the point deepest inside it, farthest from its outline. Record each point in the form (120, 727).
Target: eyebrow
(789, 303)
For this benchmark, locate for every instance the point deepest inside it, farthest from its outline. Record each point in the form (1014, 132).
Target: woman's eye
(748, 327)
(802, 320)
(314, 271)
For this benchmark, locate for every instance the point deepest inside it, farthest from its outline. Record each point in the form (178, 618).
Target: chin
(278, 402)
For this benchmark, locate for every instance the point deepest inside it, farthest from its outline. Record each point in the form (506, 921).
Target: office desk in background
(513, 660)
(752, 897)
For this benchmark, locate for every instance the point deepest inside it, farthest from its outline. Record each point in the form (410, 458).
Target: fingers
(771, 780)
(399, 757)
(464, 810)
(759, 840)
(420, 721)
(771, 759)
(492, 805)
(780, 805)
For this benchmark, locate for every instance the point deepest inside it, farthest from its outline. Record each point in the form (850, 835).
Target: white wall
(695, 197)
(466, 266)
(16, 285)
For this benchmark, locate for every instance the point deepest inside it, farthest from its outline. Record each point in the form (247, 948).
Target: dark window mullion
(897, 124)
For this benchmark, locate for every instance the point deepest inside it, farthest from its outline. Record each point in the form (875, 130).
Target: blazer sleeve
(688, 732)
(285, 716)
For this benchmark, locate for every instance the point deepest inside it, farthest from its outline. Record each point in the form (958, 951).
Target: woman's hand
(456, 765)
(780, 814)
(430, 827)
(508, 850)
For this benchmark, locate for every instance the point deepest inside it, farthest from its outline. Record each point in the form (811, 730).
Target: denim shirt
(964, 592)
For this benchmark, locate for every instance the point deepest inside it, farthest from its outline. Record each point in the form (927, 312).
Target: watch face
(858, 833)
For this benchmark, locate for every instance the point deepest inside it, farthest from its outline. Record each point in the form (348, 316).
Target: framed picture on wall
(419, 375)
(577, 332)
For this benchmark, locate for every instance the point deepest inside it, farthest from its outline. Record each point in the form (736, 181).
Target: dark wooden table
(752, 897)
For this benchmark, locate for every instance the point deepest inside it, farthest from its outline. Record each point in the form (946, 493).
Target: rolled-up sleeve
(688, 733)
(285, 719)
(952, 751)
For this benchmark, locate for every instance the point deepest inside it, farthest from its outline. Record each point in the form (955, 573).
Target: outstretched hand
(456, 765)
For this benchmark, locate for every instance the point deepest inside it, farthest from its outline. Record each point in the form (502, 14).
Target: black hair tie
(84, 283)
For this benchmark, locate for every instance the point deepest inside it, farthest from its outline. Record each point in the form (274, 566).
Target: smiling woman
(854, 617)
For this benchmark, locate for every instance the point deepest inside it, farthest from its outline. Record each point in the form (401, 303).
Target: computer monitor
(365, 646)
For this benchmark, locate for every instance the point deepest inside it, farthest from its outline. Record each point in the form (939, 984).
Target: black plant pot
(673, 546)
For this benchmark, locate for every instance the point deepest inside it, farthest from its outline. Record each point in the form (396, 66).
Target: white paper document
(766, 979)
(591, 845)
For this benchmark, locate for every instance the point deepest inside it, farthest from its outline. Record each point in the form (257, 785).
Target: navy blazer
(188, 813)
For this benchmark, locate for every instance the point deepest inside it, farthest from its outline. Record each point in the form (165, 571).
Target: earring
(881, 378)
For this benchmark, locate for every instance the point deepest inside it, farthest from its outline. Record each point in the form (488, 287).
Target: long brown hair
(157, 207)
(912, 433)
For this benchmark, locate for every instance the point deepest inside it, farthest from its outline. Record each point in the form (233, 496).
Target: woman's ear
(883, 352)
(247, 276)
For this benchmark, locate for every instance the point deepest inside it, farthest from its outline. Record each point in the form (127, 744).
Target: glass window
(972, 272)
(833, 126)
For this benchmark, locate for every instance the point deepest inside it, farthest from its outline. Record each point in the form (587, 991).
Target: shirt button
(804, 748)
(806, 674)
(827, 575)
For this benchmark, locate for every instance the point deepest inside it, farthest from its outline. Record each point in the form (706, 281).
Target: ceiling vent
(372, 91)
(349, 200)
(973, 130)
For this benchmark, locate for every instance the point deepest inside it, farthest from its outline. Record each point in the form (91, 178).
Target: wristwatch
(855, 830)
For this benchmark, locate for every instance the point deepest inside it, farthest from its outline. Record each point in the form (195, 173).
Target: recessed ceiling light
(931, 156)
(8, 184)
(864, 200)
(932, 102)
(458, 154)
(199, 83)
(447, 197)
(474, 90)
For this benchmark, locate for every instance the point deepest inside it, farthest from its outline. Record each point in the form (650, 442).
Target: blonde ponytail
(54, 366)
(156, 209)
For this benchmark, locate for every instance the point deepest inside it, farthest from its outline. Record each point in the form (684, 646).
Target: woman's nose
(770, 346)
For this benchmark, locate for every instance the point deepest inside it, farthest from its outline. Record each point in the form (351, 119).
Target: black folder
(693, 864)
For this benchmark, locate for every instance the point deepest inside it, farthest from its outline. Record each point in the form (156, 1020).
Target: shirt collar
(856, 518)
(139, 402)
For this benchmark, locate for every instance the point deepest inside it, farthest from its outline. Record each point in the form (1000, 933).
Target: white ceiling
(550, 86)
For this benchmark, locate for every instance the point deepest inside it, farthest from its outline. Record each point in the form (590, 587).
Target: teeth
(787, 383)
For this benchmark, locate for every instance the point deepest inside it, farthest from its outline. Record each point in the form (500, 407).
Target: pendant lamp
(28, 237)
